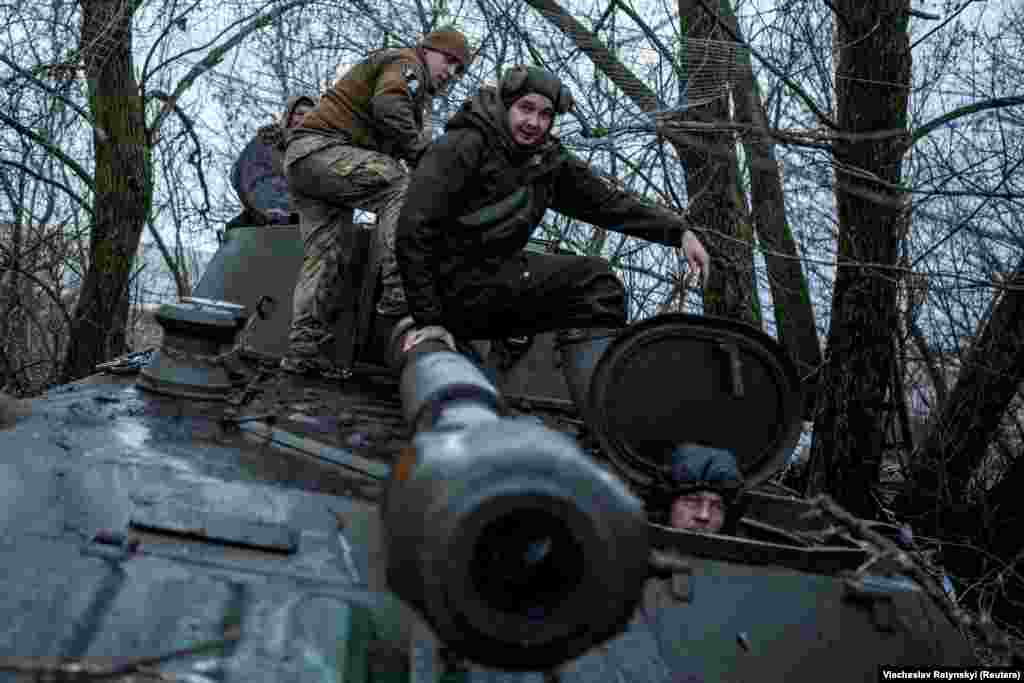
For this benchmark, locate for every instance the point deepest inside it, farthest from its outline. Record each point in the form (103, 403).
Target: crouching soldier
(258, 173)
(474, 199)
(346, 155)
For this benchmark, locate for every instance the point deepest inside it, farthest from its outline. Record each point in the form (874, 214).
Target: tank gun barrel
(518, 549)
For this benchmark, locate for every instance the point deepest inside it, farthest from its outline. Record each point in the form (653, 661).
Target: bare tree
(125, 130)
(710, 167)
(872, 89)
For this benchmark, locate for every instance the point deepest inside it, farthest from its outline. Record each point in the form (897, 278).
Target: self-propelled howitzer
(215, 519)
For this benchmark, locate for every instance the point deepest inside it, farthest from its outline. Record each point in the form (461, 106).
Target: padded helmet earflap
(512, 80)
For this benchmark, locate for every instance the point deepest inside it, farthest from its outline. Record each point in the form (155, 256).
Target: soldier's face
(443, 67)
(529, 119)
(298, 114)
(699, 511)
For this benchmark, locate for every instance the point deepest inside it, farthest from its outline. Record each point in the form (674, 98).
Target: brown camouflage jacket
(378, 104)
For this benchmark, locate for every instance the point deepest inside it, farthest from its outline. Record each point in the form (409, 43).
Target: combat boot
(312, 354)
(580, 350)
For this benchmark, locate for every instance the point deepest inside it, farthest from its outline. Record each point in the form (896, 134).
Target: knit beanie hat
(523, 80)
(450, 42)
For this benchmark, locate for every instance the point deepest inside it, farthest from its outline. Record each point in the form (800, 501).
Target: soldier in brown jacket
(346, 156)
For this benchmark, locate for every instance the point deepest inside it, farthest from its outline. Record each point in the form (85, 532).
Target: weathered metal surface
(98, 454)
(251, 263)
(536, 373)
(745, 622)
(201, 524)
(258, 515)
(293, 443)
(107, 459)
(819, 560)
(680, 378)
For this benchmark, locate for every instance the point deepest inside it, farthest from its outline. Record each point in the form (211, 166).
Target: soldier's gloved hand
(696, 256)
(430, 332)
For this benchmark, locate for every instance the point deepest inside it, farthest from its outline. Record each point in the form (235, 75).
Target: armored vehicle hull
(150, 530)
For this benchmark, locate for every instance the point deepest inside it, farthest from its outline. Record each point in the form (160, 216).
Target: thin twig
(911, 566)
(56, 666)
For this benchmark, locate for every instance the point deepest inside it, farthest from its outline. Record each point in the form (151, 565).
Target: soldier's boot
(580, 350)
(312, 353)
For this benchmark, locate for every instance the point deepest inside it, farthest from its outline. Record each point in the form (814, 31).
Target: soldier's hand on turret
(430, 332)
(696, 256)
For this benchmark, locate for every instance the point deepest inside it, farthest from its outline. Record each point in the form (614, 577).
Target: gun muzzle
(518, 550)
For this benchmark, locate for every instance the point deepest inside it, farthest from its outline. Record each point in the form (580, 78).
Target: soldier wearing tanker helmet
(473, 202)
(701, 491)
(346, 155)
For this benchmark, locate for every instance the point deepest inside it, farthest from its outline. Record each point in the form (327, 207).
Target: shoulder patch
(412, 80)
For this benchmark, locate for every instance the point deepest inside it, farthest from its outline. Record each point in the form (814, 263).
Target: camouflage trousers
(327, 184)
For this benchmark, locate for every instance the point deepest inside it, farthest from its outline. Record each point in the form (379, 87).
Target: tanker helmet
(522, 80)
(692, 469)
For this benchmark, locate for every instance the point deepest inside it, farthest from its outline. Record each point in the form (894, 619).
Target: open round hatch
(680, 378)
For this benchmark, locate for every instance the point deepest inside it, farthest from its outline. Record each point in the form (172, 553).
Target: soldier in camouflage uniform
(346, 155)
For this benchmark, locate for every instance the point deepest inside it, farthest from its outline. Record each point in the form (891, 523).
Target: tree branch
(50, 181)
(163, 34)
(47, 89)
(172, 265)
(214, 58)
(822, 116)
(966, 110)
(651, 36)
(51, 148)
(43, 286)
(951, 17)
(191, 131)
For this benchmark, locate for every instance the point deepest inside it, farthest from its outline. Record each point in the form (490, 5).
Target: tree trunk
(122, 196)
(989, 378)
(872, 87)
(730, 290)
(712, 186)
(794, 314)
(1003, 515)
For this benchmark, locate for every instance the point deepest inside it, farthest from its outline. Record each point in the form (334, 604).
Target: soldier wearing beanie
(474, 200)
(346, 156)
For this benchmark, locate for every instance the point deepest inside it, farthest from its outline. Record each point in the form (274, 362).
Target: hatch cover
(680, 378)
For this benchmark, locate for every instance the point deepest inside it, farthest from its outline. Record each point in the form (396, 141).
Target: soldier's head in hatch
(704, 484)
(533, 98)
(446, 53)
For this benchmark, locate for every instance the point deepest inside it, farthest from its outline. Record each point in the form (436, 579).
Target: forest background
(853, 165)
